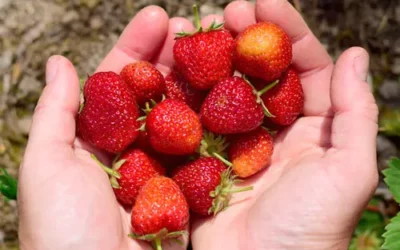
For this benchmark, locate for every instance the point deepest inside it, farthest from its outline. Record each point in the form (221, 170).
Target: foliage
(8, 185)
(392, 179)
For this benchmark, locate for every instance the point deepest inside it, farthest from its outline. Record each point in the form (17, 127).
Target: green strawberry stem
(112, 172)
(219, 157)
(238, 190)
(197, 18)
(258, 95)
(268, 87)
(223, 192)
(213, 26)
(214, 146)
(157, 243)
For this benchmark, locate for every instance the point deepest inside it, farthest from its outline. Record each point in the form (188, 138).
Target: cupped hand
(65, 200)
(323, 169)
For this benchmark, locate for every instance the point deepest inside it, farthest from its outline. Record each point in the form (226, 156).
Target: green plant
(392, 179)
(8, 185)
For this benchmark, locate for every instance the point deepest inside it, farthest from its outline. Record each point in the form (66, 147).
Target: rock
(28, 85)
(208, 9)
(24, 124)
(386, 149)
(390, 90)
(6, 60)
(396, 46)
(70, 16)
(4, 3)
(96, 22)
(396, 66)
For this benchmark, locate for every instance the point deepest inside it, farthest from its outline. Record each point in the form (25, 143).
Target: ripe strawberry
(135, 168)
(205, 56)
(145, 80)
(108, 119)
(263, 50)
(206, 184)
(232, 107)
(251, 152)
(178, 89)
(160, 211)
(285, 101)
(173, 128)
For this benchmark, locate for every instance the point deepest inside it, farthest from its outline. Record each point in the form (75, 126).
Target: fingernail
(51, 69)
(361, 66)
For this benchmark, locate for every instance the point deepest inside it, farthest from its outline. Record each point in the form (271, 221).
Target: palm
(321, 175)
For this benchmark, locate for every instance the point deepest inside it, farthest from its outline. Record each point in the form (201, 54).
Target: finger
(354, 127)
(165, 60)
(54, 117)
(208, 20)
(238, 15)
(309, 56)
(141, 39)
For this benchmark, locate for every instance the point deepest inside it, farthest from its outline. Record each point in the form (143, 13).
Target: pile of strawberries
(206, 125)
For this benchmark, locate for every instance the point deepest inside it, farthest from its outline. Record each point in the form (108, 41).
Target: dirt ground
(85, 30)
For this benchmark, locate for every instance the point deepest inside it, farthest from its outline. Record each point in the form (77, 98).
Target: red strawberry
(204, 57)
(263, 50)
(178, 89)
(232, 107)
(135, 168)
(108, 119)
(173, 128)
(251, 152)
(285, 101)
(206, 184)
(145, 80)
(160, 211)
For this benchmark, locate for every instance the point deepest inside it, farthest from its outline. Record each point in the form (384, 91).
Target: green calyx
(112, 172)
(258, 94)
(157, 238)
(223, 192)
(213, 26)
(147, 109)
(214, 146)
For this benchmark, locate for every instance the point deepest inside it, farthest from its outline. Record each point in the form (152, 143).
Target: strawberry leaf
(8, 185)
(392, 234)
(392, 178)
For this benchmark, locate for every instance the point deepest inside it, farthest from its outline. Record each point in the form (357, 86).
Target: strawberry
(130, 172)
(206, 184)
(137, 168)
(160, 211)
(173, 128)
(145, 80)
(205, 56)
(178, 89)
(251, 152)
(108, 119)
(262, 50)
(285, 101)
(232, 107)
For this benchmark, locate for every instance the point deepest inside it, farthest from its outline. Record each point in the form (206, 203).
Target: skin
(323, 170)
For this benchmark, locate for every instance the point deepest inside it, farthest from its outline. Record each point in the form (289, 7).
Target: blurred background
(85, 30)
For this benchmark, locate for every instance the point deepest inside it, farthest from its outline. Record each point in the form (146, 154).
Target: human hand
(65, 199)
(323, 169)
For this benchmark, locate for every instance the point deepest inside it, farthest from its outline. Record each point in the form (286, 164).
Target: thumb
(54, 117)
(354, 127)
